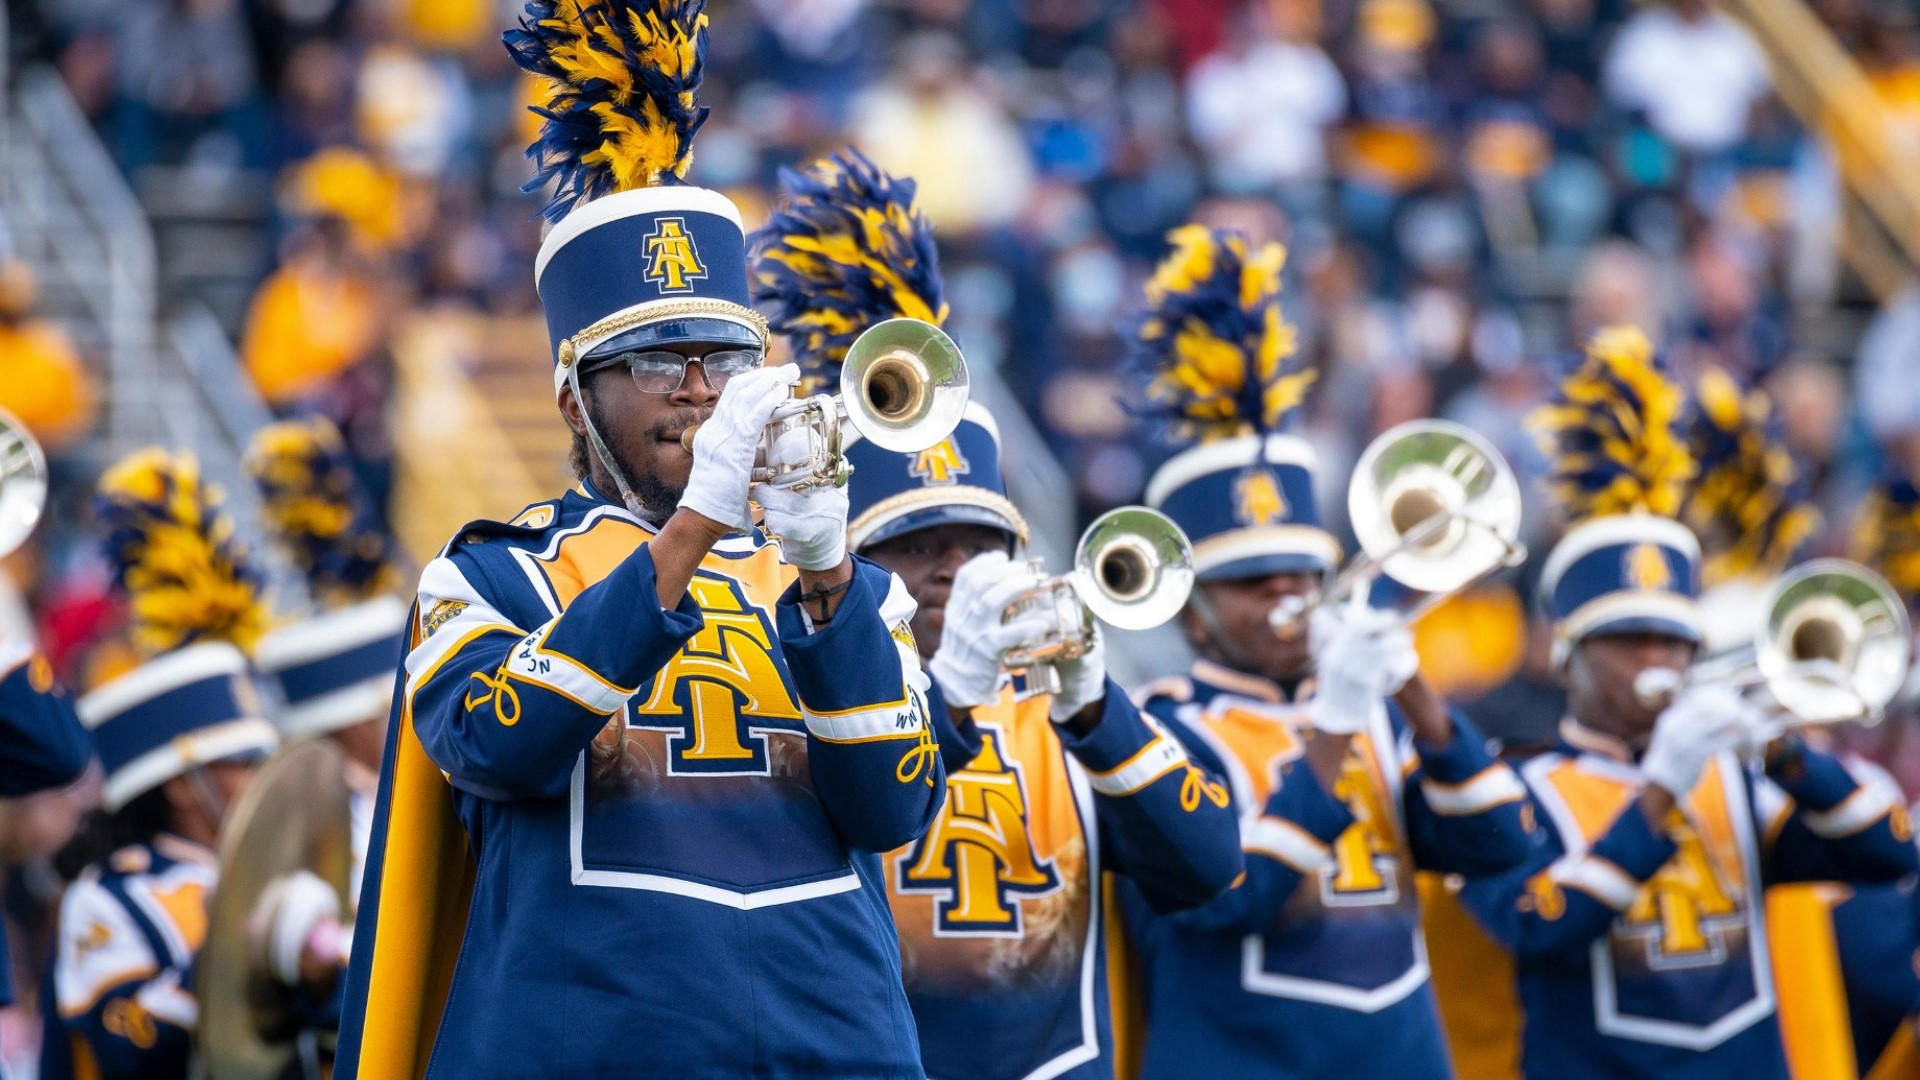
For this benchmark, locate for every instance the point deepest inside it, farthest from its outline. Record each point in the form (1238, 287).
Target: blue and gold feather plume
(1887, 533)
(1613, 430)
(316, 511)
(1749, 504)
(186, 575)
(1217, 354)
(620, 77)
(847, 249)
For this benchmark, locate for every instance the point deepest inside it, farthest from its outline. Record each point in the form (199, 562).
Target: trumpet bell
(1835, 645)
(1435, 505)
(1133, 568)
(904, 384)
(23, 483)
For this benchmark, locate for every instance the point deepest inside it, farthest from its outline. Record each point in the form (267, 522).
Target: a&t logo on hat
(673, 262)
(941, 463)
(1257, 499)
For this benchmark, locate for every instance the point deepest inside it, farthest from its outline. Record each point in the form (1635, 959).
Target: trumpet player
(644, 761)
(1001, 907)
(1349, 771)
(1637, 928)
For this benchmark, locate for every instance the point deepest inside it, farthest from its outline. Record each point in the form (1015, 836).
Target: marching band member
(178, 737)
(331, 673)
(639, 778)
(1001, 906)
(1348, 769)
(42, 742)
(1637, 928)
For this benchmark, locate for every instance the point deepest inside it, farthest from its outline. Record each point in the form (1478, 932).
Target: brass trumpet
(1133, 569)
(23, 483)
(1833, 647)
(1435, 507)
(904, 388)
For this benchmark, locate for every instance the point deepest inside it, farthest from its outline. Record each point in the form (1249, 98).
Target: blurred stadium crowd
(1466, 187)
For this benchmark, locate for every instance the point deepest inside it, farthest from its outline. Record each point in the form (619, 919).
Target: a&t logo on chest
(723, 691)
(978, 858)
(673, 262)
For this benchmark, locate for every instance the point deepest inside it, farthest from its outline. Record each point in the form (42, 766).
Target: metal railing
(73, 217)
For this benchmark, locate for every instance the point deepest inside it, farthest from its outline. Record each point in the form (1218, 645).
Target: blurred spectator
(313, 319)
(1692, 71)
(1886, 388)
(1261, 107)
(186, 84)
(42, 379)
(935, 120)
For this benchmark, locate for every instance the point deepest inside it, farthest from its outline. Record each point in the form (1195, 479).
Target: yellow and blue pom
(1215, 348)
(186, 575)
(1887, 534)
(847, 249)
(1749, 502)
(315, 509)
(1613, 430)
(619, 110)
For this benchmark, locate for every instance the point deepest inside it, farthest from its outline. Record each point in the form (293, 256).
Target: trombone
(1132, 569)
(904, 387)
(1435, 508)
(23, 482)
(1832, 647)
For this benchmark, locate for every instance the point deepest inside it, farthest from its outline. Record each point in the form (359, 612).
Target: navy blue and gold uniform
(1642, 951)
(1003, 908)
(1315, 963)
(674, 893)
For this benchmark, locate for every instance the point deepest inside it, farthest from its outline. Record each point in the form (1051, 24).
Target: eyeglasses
(662, 372)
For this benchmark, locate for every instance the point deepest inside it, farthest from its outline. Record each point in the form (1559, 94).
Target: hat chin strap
(600, 450)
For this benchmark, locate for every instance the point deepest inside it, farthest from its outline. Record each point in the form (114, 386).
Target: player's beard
(658, 499)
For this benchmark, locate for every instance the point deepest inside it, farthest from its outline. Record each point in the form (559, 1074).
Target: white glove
(973, 640)
(811, 524)
(1083, 681)
(300, 904)
(725, 445)
(1361, 656)
(1702, 722)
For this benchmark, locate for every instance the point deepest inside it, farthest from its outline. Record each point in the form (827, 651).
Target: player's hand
(973, 640)
(1701, 722)
(725, 445)
(811, 524)
(1362, 655)
(303, 941)
(1083, 681)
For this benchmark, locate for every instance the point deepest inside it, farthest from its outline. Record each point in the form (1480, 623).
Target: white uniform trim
(1159, 757)
(655, 200)
(1486, 789)
(530, 661)
(1612, 530)
(1597, 877)
(163, 763)
(1256, 978)
(862, 725)
(1236, 453)
(1293, 846)
(1868, 804)
(155, 677)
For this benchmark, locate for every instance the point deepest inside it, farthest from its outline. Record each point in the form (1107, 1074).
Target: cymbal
(293, 816)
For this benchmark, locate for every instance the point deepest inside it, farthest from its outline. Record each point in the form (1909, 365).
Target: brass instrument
(1833, 647)
(23, 482)
(904, 387)
(1435, 508)
(1133, 569)
(293, 816)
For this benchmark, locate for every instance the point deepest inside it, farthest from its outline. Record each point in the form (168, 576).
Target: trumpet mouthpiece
(686, 437)
(1656, 687)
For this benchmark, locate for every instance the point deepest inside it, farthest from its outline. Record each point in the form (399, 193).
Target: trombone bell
(1835, 643)
(909, 384)
(23, 483)
(1435, 505)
